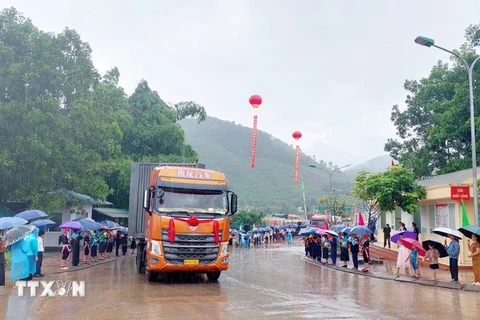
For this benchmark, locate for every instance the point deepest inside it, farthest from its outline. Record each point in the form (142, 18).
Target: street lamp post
(330, 173)
(427, 42)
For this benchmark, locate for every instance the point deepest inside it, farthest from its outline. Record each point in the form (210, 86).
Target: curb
(383, 276)
(82, 266)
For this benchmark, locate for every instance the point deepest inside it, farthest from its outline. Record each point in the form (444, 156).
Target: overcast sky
(330, 69)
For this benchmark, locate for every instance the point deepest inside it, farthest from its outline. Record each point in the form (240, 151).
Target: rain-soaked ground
(262, 283)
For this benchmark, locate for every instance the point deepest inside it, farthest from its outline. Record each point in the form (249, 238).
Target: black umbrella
(441, 249)
(469, 230)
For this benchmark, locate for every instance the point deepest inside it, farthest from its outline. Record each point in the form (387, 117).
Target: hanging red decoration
(171, 231)
(255, 101)
(297, 135)
(297, 160)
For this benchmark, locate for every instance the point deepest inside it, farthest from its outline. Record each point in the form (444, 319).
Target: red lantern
(297, 135)
(255, 101)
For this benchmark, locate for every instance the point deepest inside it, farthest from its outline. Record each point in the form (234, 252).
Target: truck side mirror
(233, 203)
(146, 200)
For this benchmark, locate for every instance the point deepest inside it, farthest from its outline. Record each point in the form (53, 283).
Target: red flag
(360, 219)
(393, 163)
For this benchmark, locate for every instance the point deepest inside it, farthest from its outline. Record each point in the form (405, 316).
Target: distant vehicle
(319, 221)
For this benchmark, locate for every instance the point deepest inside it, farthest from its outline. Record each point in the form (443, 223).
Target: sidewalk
(386, 269)
(51, 264)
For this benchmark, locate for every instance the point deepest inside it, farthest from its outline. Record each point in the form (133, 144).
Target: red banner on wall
(254, 140)
(297, 158)
(460, 193)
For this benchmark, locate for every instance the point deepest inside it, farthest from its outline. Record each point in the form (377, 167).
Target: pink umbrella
(360, 219)
(320, 232)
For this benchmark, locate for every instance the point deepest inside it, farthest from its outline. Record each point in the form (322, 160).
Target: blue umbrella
(309, 231)
(346, 230)
(337, 227)
(43, 224)
(89, 224)
(109, 224)
(123, 230)
(361, 230)
(31, 214)
(10, 222)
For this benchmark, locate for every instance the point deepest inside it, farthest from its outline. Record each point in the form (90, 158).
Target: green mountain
(378, 164)
(226, 146)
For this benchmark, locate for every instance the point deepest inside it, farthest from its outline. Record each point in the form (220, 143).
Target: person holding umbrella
(453, 250)
(474, 248)
(402, 257)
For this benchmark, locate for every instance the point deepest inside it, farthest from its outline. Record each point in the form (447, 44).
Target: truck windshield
(319, 223)
(188, 200)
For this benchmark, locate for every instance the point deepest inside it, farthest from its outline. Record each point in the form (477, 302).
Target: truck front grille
(190, 246)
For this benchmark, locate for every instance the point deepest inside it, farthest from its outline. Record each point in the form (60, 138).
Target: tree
(385, 191)
(337, 205)
(434, 130)
(247, 217)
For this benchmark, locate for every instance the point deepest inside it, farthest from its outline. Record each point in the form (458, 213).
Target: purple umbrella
(74, 225)
(406, 234)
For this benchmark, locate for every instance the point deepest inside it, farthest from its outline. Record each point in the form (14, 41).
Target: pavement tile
(471, 288)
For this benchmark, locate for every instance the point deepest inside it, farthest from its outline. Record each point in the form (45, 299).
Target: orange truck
(180, 216)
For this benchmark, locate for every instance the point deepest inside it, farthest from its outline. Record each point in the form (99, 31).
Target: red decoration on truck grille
(171, 231)
(216, 231)
(193, 221)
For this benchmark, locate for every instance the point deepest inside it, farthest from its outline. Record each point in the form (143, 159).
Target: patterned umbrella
(17, 233)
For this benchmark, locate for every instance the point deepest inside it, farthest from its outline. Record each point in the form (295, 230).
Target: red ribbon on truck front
(193, 221)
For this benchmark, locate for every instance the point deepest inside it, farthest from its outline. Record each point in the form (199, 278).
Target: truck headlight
(155, 247)
(225, 248)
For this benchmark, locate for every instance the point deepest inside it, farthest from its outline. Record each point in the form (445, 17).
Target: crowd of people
(27, 253)
(323, 247)
(263, 236)
(96, 244)
(409, 258)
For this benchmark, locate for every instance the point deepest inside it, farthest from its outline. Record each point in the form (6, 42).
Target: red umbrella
(412, 243)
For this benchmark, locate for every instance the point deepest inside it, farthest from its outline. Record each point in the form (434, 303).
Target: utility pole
(304, 201)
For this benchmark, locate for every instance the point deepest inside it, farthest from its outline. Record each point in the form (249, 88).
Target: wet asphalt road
(262, 283)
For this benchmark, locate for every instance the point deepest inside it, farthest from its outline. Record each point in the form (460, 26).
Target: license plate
(190, 262)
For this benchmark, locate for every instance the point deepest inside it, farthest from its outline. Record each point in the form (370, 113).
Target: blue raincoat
(32, 251)
(19, 266)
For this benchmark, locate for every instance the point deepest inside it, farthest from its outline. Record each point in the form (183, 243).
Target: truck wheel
(141, 256)
(213, 276)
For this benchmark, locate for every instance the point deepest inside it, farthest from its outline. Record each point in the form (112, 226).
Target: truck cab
(187, 222)
(320, 221)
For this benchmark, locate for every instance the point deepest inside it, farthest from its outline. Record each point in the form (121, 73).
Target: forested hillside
(226, 146)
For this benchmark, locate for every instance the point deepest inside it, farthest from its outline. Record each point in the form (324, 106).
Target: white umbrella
(333, 233)
(445, 232)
